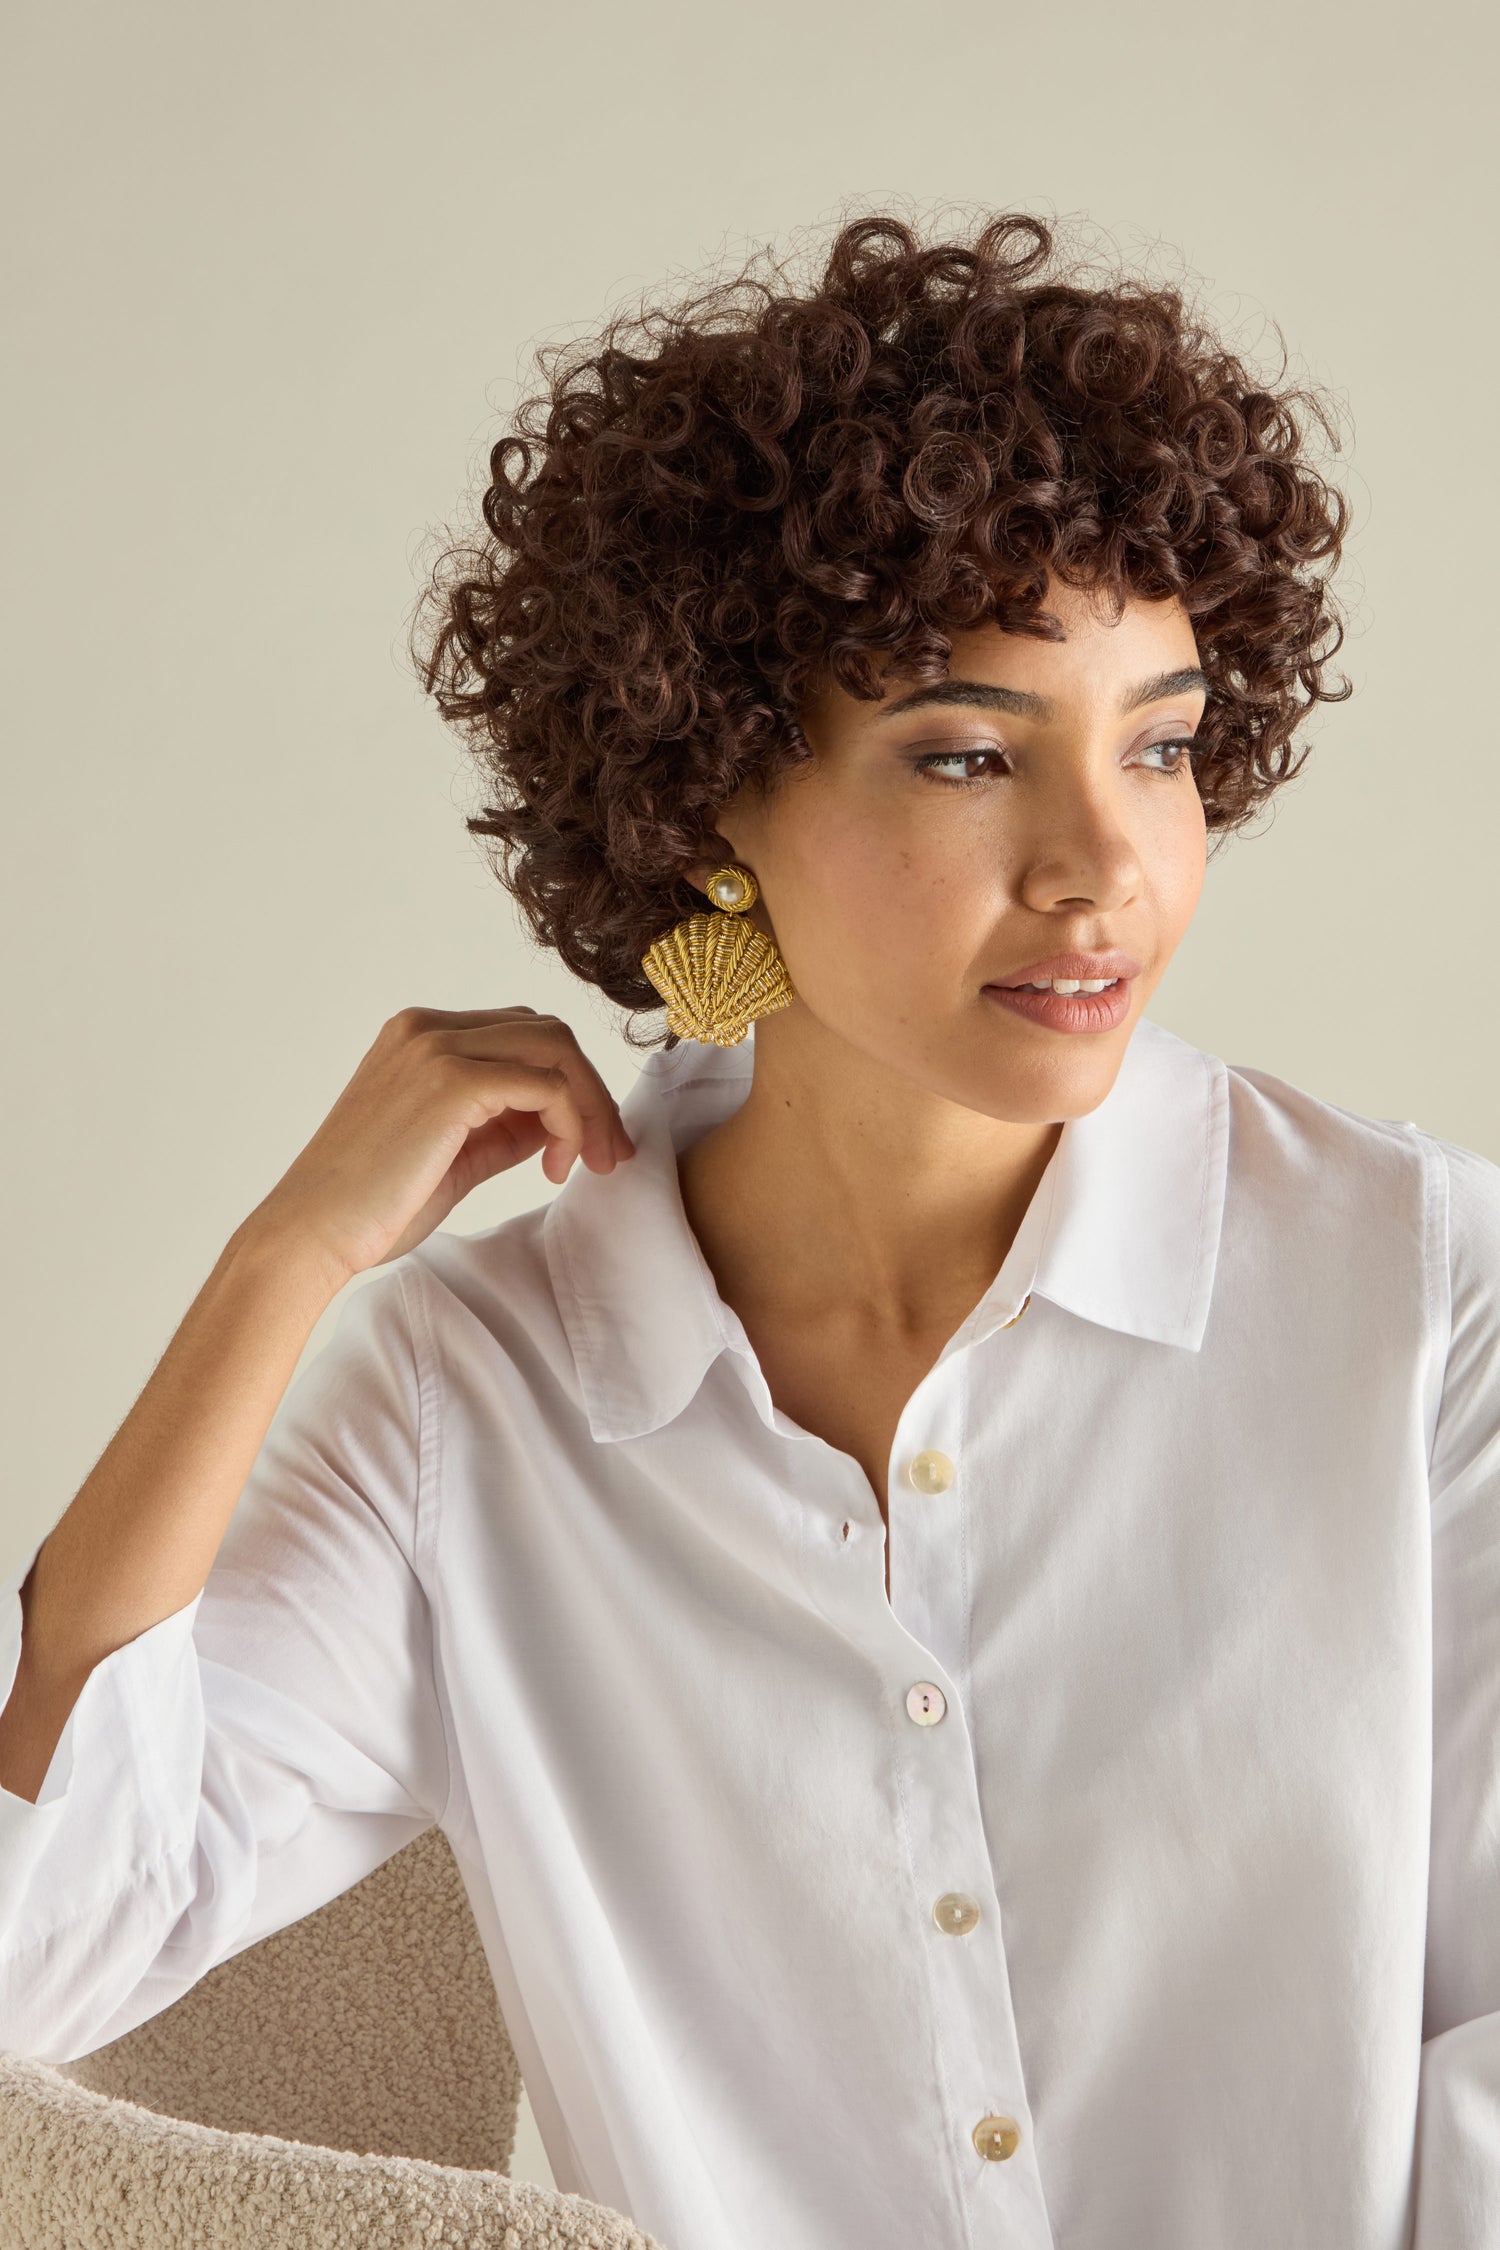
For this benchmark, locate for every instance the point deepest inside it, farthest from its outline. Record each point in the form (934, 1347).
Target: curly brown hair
(721, 501)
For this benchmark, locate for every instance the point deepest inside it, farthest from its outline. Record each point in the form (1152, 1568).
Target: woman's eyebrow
(1021, 703)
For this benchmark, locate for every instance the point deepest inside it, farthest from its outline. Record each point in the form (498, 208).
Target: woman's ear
(717, 852)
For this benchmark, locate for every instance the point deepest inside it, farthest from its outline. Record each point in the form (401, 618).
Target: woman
(943, 1589)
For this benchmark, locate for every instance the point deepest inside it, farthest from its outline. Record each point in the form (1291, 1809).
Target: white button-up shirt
(1128, 1880)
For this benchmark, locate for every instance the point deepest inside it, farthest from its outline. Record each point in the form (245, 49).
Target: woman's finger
(545, 1043)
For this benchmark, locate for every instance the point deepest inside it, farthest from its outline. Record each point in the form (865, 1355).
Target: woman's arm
(221, 1703)
(441, 1101)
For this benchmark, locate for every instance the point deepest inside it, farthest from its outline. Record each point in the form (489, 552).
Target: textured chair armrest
(79, 2171)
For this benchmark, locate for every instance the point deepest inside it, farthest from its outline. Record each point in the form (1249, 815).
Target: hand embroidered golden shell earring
(715, 972)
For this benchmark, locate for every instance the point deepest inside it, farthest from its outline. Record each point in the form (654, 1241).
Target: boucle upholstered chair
(345, 2084)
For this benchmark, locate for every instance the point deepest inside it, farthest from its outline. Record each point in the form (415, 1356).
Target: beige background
(272, 275)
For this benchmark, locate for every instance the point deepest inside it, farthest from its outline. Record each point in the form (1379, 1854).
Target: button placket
(956, 1910)
(924, 1510)
(959, 1922)
(918, 1640)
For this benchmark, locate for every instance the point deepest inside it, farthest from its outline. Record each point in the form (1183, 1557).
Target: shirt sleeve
(1458, 2131)
(256, 1753)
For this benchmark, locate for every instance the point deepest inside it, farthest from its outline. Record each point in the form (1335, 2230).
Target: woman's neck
(835, 1181)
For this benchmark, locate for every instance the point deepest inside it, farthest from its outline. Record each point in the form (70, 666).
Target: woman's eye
(964, 766)
(1183, 749)
(936, 760)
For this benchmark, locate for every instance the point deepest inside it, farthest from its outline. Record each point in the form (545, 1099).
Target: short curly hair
(723, 500)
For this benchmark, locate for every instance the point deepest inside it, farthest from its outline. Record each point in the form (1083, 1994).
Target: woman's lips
(1068, 1011)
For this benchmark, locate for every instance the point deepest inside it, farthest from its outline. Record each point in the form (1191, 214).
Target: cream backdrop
(272, 276)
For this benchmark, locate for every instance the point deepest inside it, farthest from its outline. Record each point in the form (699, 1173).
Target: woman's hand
(443, 1100)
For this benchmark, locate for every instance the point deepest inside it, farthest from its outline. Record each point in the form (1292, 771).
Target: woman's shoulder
(1297, 1117)
(497, 1276)
(405, 1332)
(473, 1323)
(1281, 1123)
(1338, 1165)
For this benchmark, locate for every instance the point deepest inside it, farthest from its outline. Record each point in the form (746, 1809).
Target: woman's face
(947, 838)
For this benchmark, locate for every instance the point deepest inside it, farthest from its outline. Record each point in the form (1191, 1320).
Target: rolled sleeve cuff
(119, 1712)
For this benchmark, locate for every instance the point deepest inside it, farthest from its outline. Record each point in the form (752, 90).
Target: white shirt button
(997, 2136)
(956, 1913)
(929, 1472)
(926, 1703)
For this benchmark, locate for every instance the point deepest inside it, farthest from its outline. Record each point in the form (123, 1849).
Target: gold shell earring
(715, 972)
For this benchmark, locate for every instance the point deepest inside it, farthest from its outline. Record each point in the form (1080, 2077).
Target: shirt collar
(1123, 1229)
